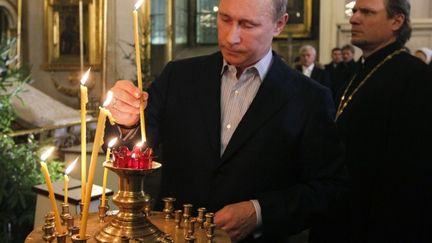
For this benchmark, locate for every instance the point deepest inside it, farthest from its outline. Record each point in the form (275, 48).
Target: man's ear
(398, 21)
(280, 24)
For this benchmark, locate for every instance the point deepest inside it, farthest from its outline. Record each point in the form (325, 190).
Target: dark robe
(387, 130)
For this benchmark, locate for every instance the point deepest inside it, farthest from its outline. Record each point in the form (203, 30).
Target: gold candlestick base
(65, 213)
(61, 238)
(49, 228)
(76, 238)
(131, 221)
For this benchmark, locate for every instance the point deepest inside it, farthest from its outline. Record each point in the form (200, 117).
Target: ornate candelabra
(135, 222)
(131, 221)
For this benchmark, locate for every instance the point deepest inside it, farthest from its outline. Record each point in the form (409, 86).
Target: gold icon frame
(61, 34)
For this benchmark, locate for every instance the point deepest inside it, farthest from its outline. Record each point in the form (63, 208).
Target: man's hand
(125, 106)
(238, 219)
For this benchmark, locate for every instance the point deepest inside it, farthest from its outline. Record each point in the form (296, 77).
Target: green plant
(19, 163)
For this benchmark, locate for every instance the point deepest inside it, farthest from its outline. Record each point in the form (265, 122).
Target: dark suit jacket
(332, 71)
(285, 152)
(319, 75)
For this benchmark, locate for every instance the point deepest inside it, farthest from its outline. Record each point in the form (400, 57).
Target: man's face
(336, 56)
(347, 55)
(307, 58)
(372, 29)
(246, 29)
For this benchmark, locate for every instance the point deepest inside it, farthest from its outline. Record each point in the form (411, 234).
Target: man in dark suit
(239, 132)
(344, 71)
(336, 55)
(385, 122)
(308, 67)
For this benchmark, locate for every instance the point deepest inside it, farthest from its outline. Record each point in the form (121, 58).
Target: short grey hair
(306, 48)
(279, 8)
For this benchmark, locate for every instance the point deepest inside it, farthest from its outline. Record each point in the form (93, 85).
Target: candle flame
(85, 76)
(138, 4)
(47, 153)
(71, 166)
(140, 144)
(112, 142)
(108, 98)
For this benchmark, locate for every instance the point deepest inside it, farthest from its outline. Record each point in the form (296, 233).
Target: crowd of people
(342, 66)
(272, 152)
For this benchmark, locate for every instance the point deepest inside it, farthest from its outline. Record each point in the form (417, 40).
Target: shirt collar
(262, 66)
(378, 56)
(309, 68)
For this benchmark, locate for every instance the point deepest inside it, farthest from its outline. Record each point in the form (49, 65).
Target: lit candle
(105, 175)
(98, 140)
(66, 179)
(84, 100)
(138, 64)
(45, 172)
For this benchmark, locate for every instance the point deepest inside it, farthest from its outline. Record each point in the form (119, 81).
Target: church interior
(48, 45)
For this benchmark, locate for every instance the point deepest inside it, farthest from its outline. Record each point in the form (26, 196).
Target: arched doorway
(8, 19)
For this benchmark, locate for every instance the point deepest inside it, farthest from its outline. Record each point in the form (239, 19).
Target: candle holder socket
(61, 238)
(210, 231)
(75, 230)
(190, 239)
(65, 213)
(178, 218)
(77, 239)
(124, 239)
(209, 218)
(191, 226)
(201, 217)
(70, 224)
(102, 213)
(187, 209)
(147, 205)
(48, 228)
(168, 207)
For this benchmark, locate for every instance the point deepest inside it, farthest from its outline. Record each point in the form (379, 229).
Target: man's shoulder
(295, 81)
(328, 66)
(214, 57)
(406, 64)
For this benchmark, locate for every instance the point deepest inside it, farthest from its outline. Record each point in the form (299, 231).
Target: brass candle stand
(135, 222)
(131, 221)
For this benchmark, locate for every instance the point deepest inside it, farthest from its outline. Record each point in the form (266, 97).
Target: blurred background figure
(336, 55)
(344, 71)
(307, 54)
(425, 54)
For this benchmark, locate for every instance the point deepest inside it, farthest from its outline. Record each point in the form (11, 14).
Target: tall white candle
(138, 64)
